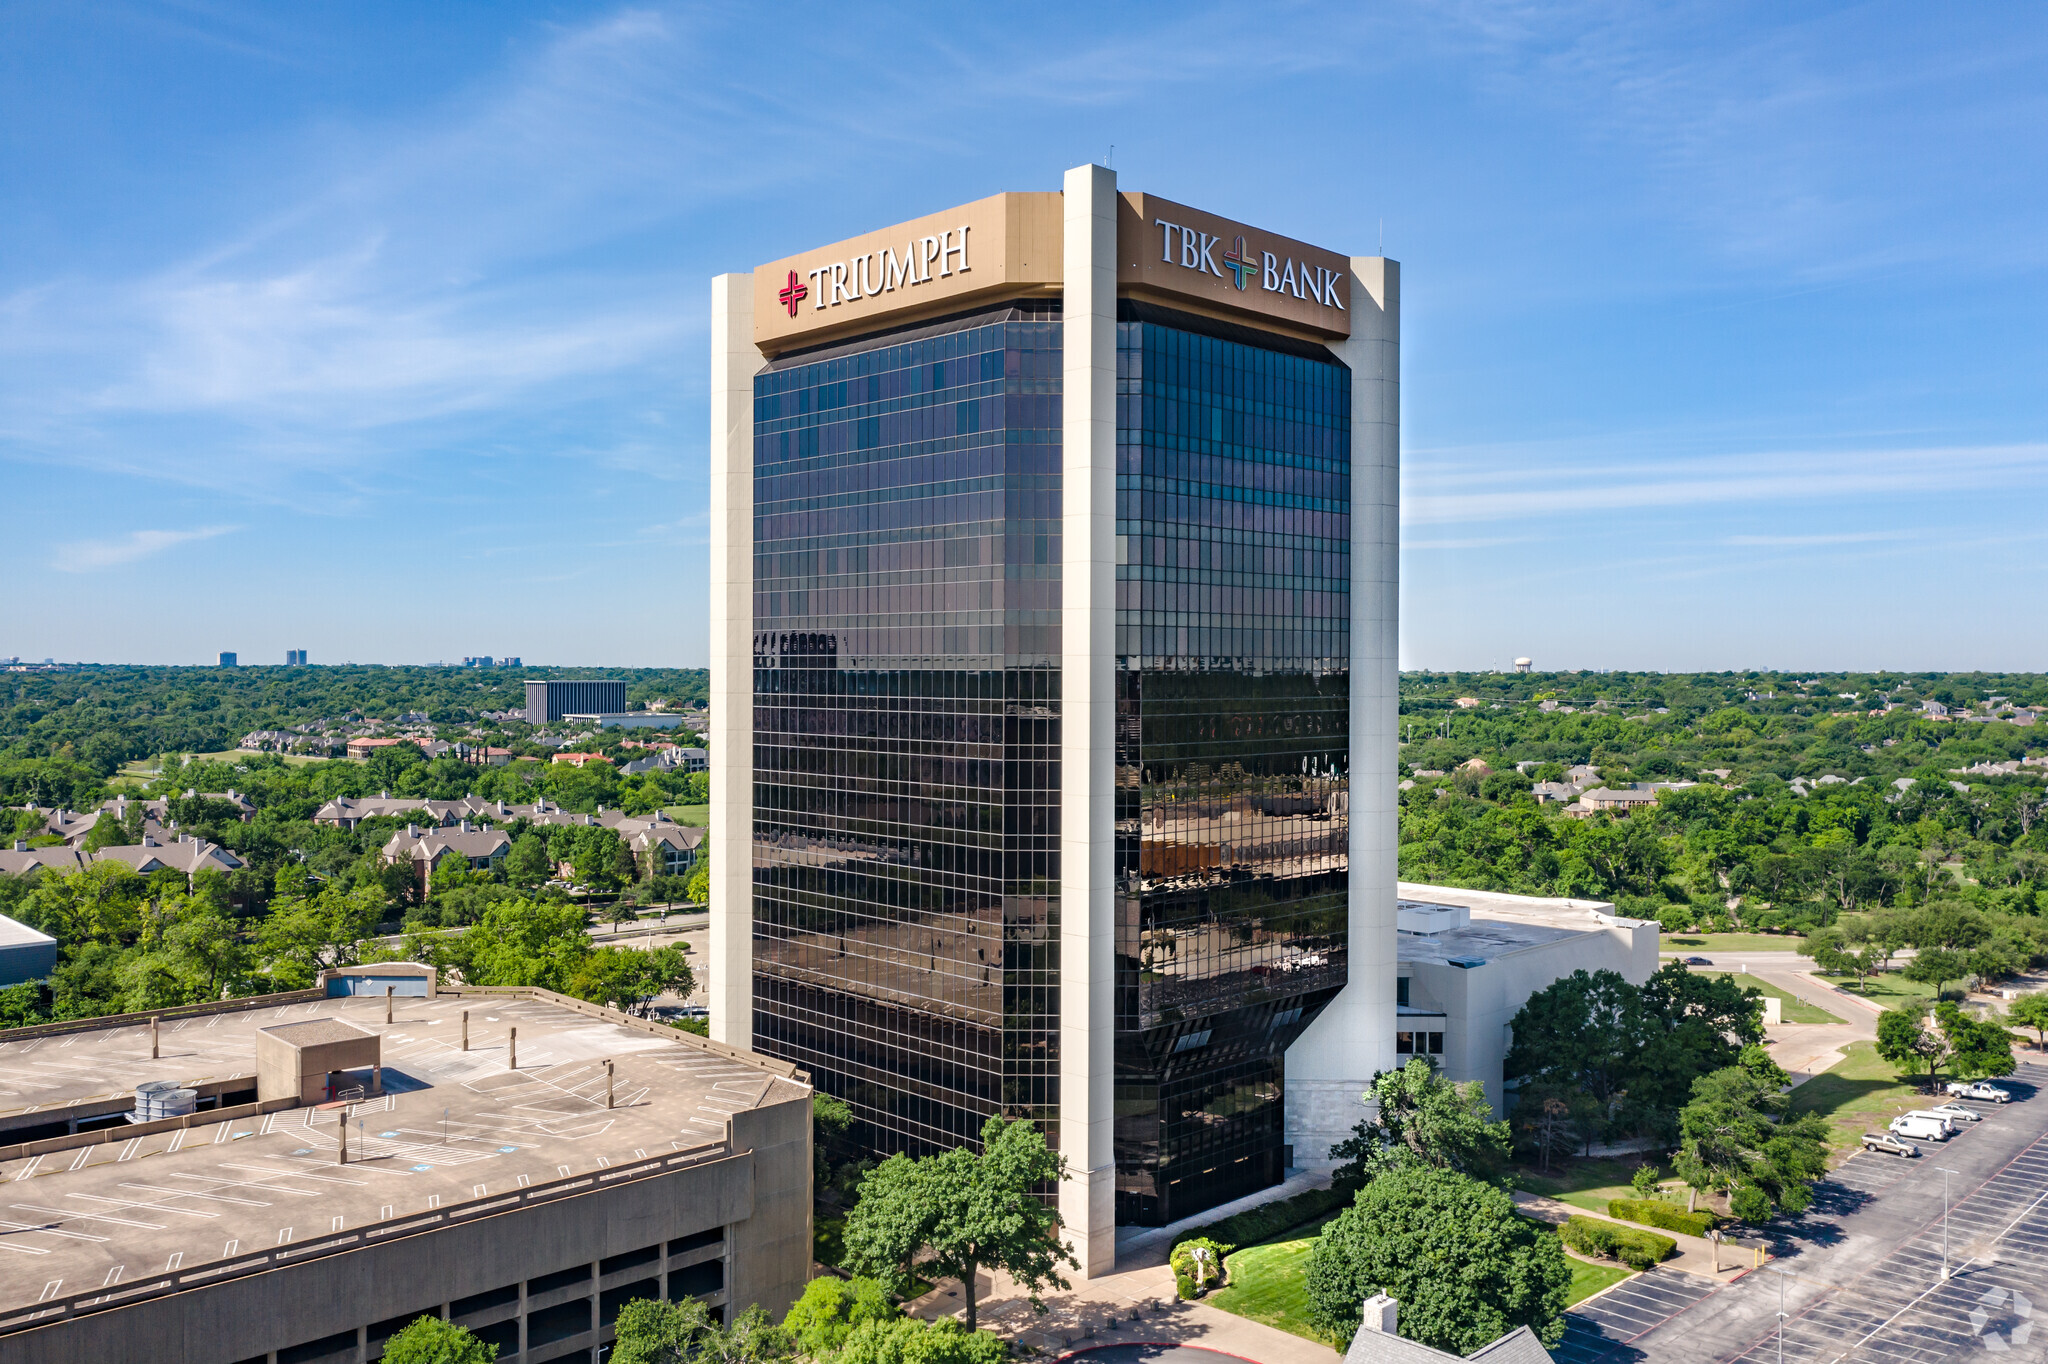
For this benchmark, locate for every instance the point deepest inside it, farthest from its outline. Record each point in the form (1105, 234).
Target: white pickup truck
(1977, 1089)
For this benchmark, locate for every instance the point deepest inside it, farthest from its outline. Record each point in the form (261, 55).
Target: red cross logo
(793, 293)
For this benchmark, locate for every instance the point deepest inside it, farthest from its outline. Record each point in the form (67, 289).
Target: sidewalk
(1695, 1254)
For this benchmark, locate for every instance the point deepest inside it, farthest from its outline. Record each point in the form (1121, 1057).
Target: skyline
(384, 337)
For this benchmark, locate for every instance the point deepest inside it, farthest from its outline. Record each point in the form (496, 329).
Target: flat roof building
(1054, 554)
(524, 1186)
(550, 701)
(1470, 959)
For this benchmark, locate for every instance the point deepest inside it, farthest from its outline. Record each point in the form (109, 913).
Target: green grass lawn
(1589, 1278)
(696, 815)
(1791, 1007)
(1861, 1093)
(1606, 1177)
(144, 771)
(1269, 1284)
(1732, 942)
(1889, 989)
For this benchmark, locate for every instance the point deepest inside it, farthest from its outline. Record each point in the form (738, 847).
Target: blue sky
(378, 329)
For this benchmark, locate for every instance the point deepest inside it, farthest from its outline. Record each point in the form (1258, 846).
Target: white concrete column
(1330, 1064)
(734, 361)
(1088, 717)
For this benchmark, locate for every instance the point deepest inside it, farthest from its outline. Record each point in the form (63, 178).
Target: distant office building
(295, 658)
(486, 661)
(628, 719)
(550, 701)
(227, 660)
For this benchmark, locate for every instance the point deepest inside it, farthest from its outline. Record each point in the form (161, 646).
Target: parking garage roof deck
(451, 1127)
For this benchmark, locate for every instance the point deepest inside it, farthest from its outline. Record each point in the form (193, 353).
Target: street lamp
(1781, 1313)
(1945, 1173)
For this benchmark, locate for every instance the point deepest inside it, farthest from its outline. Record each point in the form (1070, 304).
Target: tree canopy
(1420, 1117)
(1465, 1267)
(951, 1214)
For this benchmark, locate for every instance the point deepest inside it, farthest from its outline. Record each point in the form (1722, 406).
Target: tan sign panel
(1005, 244)
(1181, 254)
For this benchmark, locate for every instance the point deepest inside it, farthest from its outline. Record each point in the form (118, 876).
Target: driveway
(1859, 1275)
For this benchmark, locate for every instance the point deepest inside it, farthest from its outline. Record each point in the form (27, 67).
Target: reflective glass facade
(1233, 615)
(907, 701)
(906, 750)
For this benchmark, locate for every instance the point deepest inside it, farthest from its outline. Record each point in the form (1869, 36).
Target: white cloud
(86, 556)
(1526, 489)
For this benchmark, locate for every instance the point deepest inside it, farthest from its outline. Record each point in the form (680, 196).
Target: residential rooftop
(452, 1127)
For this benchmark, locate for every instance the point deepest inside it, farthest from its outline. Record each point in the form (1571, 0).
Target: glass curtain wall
(906, 751)
(1233, 615)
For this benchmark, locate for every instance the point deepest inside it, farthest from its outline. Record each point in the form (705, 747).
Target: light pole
(1945, 1173)
(1781, 1313)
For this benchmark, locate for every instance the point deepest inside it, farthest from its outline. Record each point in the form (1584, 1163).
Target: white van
(1942, 1118)
(1916, 1128)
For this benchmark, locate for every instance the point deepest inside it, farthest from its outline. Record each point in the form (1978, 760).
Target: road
(1860, 1271)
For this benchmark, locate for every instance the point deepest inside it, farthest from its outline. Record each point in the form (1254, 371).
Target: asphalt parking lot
(1859, 1275)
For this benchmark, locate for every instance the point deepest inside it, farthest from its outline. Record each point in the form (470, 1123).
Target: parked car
(1919, 1128)
(1977, 1089)
(1889, 1144)
(1957, 1113)
(1699, 961)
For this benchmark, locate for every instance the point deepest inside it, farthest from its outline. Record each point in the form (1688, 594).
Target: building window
(1401, 990)
(1418, 1044)
(1190, 1041)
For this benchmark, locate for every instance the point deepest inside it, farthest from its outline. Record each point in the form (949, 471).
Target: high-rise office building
(1053, 624)
(227, 660)
(550, 701)
(295, 658)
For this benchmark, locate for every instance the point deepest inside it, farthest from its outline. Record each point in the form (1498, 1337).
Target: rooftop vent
(1414, 916)
(156, 1099)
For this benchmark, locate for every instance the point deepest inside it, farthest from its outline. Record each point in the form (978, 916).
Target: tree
(430, 1340)
(523, 942)
(650, 1331)
(1464, 1266)
(1554, 1120)
(1695, 1025)
(1421, 1117)
(1580, 1031)
(964, 1212)
(1736, 1134)
(2031, 1011)
(831, 1309)
(1904, 1040)
(697, 887)
(527, 864)
(1978, 1047)
(302, 938)
(629, 978)
(905, 1340)
(1936, 966)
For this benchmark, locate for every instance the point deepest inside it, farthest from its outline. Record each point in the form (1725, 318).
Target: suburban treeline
(1748, 850)
(103, 716)
(311, 896)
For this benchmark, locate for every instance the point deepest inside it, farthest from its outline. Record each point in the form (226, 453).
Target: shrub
(1184, 1287)
(1636, 1249)
(1588, 1237)
(1186, 1266)
(1658, 1213)
(1268, 1220)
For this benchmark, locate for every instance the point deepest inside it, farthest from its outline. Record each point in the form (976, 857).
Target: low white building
(1467, 960)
